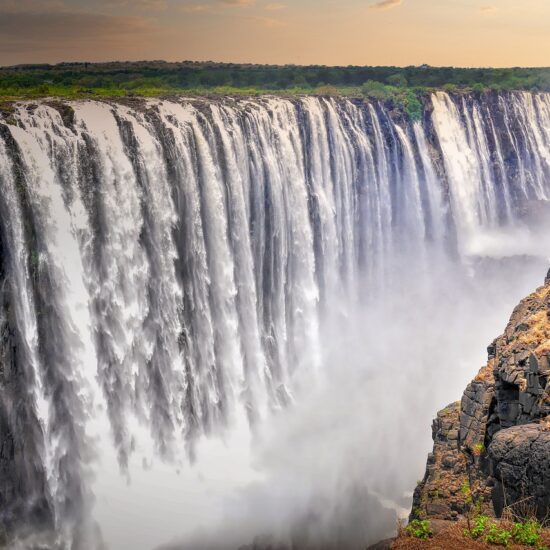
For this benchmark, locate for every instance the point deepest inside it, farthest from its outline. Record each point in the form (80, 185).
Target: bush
(467, 493)
(327, 90)
(405, 98)
(376, 90)
(479, 88)
(498, 536)
(419, 529)
(43, 89)
(413, 106)
(399, 80)
(527, 533)
(450, 88)
(478, 528)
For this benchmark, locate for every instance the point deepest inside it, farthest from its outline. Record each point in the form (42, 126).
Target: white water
(248, 311)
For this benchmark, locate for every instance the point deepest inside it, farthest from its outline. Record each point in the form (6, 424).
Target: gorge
(199, 297)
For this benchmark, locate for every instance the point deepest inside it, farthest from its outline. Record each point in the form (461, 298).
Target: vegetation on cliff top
(486, 534)
(402, 88)
(119, 79)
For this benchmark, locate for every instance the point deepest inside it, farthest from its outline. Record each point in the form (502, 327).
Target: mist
(336, 470)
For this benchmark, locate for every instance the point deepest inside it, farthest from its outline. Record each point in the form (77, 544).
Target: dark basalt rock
(449, 470)
(520, 462)
(502, 452)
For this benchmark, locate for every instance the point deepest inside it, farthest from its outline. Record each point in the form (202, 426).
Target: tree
(399, 80)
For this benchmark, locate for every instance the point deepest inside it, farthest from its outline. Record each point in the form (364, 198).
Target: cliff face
(495, 442)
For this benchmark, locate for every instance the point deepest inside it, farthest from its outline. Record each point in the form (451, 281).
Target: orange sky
(330, 32)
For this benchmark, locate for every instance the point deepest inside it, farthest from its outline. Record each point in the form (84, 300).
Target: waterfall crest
(169, 267)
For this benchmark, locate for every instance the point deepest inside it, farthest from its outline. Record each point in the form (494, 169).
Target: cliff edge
(493, 446)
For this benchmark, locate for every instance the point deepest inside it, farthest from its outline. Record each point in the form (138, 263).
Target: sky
(498, 33)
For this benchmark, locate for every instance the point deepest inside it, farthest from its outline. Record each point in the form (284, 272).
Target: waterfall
(172, 271)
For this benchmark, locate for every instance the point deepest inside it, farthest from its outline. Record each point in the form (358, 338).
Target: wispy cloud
(267, 22)
(68, 25)
(275, 6)
(488, 9)
(65, 31)
(214, 6)
(68, 7)
(138, 4)
(238, 3)
(196, 8)
(31, 6)
(386, 4)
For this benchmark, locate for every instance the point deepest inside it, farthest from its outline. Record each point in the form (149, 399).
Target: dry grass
(542, 292)
(486, 373)
(538, 335)
(450, 536)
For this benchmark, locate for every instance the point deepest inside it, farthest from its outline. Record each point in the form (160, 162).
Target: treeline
(195, 75)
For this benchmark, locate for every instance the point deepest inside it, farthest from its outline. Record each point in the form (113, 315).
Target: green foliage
(419, 529)
(372, 89)
(327, 90)
(399, 80)
(404, 98)
(467, 492)
(478, 527)
(528, 533)
(450, 87)
(413, 106)
(498, 536)
(479, 88)
(118, 79)
(43, 89)
(542, 82)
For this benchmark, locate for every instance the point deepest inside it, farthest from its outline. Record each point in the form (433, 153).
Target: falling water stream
(211, 299)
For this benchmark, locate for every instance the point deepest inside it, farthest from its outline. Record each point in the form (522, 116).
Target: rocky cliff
(493, 447)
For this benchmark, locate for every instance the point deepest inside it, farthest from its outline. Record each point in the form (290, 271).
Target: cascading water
(178, 278)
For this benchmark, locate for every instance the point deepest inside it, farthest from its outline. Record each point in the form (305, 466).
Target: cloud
(488, 9)
(66, 25)
(47, 6)
(24, 34)
(386, 4)
(31, 6)
(267, 22)
(196, 8)
(152, 5)
(213, 6)
(274, 6)
(238, 3)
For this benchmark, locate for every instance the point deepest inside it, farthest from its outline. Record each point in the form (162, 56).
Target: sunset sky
(330, 32)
